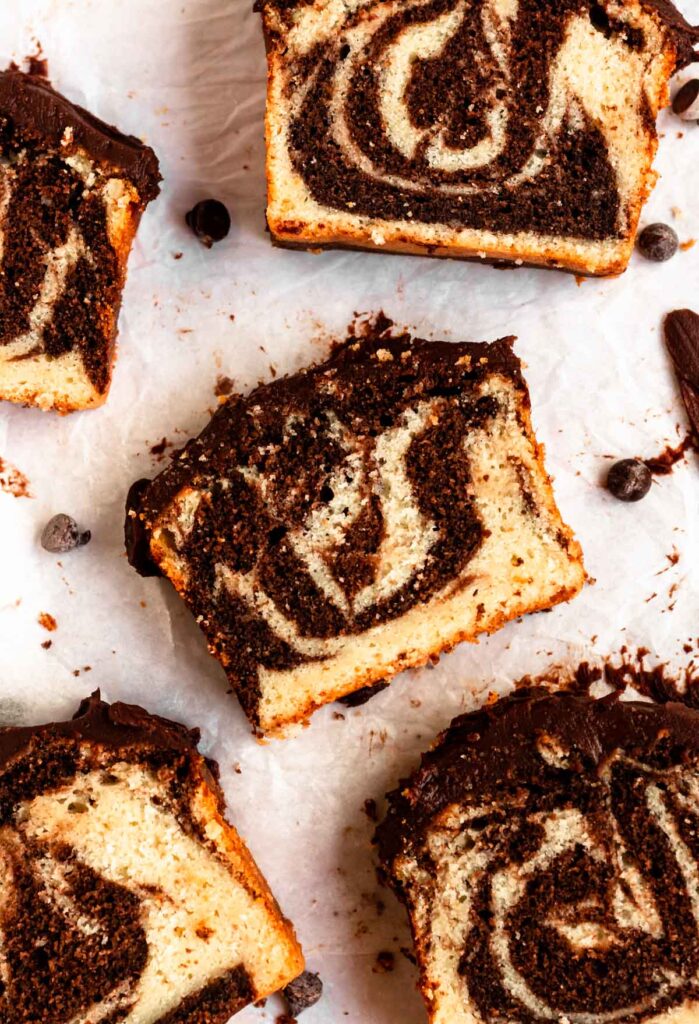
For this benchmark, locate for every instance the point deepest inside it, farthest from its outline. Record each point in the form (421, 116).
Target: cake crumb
(688, 244)
(47, 622)
(13, 481)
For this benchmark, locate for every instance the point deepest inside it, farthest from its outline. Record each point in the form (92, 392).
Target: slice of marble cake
(126, 896)
(547, 852)
(72, 191)
(357, 518)
(516, 130)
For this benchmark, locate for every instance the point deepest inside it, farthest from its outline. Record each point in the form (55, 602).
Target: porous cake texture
(547, 851)
(126, 898)
(500, 130)
(72, 191)
(358, 518)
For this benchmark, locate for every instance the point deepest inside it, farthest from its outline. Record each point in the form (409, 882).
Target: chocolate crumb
(303, 993)
(159, 448)
(629, 480)
(224, 386)
(663, 464)
(385, 962)
(46, 644)
(359, 697)
(209, 220)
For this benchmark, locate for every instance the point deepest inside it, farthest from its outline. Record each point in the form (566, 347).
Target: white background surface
(188, 76)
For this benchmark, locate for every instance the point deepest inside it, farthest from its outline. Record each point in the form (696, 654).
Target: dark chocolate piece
(209, 220)
(658, 242)
(682, 340)
(686, 97)
(629, 480)
(359, 697)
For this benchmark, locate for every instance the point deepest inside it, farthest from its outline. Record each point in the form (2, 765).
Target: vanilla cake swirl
(517, 130)
(126, 896)
(547, 851)
(358, 518)
(72, 191)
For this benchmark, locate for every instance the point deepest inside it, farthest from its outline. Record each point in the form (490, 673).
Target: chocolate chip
(61, 533)
(209, 220)
(629, 480)
(658, 242)
(302, 993)
(686, 101)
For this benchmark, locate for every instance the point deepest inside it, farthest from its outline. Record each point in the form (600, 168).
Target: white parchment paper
(188, 77)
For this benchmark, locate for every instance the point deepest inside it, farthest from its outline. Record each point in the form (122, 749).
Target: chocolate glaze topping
(619, 768)
(299, 436)
(32, 104)
(451, 98)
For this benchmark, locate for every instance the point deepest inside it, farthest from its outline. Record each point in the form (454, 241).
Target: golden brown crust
(246, 872)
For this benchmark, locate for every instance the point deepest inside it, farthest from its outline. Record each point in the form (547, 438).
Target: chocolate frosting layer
(470, 143)
(582, 821)
(118, 727)
(310, 449)
(31, 103)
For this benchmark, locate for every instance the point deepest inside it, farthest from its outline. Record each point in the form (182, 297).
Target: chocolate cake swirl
(465, 114)
(72, 190)
(547, 852)
(116, 879)
(326, 507)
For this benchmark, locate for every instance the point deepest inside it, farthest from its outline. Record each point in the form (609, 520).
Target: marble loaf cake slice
(126, 896)
(515, 130)
(357, 518)
(547, 850)
(72, 191)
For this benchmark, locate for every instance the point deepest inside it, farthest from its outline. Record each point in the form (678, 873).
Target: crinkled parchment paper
(188, 76)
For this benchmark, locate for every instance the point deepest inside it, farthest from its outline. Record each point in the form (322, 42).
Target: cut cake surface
(126, 896)
(358, 518)
(500, 130)
(72, 191)
(546, 850)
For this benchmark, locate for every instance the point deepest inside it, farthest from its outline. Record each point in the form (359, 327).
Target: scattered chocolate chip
(302, 993)
(629, 480)
(61, 533)
(658, 242)
(354, 700)
(686, 101)
(209, 220)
